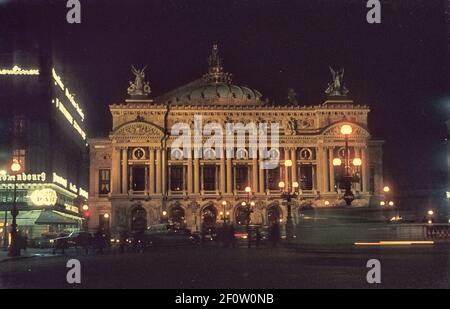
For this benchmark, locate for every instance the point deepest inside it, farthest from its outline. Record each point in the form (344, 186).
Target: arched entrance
(138, 219)
(274, 214)
(177, 217)
(241, 215)
(209, 218)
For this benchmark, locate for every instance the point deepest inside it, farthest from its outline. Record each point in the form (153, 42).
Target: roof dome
(215, 88)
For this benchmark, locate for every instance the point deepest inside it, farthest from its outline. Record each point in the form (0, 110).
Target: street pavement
(322, 256)
(217, 267)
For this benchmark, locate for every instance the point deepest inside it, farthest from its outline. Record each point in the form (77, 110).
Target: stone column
(262, 180)
(321, 169)
(196, 176)
(190, 183)
(331, 168)
(294, 165)
(125, 170)
(255, 175)
(164, 171)
(365, 169)
(286, 157)
(158, 171)
(222, 174)
(152, 179)
(229, 176)
(115, 167)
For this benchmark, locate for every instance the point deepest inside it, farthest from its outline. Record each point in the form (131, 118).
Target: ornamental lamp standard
(4, 173)
(14, 249)
(349, 173)
(248, 211)
(86, 215)
(387, 201)
(224, 214)
(289, 192)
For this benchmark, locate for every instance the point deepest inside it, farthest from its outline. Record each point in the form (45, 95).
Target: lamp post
(248, 211)
(224, 214)
(3, 173)
(289, 192)
(386, 201)
(14, 249)
(349, 174)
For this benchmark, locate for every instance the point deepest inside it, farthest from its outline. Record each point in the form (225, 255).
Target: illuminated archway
(138, 219)
(177, 216)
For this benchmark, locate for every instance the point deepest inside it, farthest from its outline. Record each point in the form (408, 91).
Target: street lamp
(224, 214)
(248, 211)
(289, 192)
(386, 200)
(14, 249)
(349, 175)
(3, 173)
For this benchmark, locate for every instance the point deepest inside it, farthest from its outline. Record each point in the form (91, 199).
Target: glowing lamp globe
(85, 207)
(382, 203)
(346, 129)
(337, 162)
(295, 185)
(357, 162)
(15, 166)
(106, 216)
(288, 163)
(386, 189)
(281, 185)
(248, 189)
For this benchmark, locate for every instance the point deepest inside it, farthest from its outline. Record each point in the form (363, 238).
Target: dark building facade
(43, 126)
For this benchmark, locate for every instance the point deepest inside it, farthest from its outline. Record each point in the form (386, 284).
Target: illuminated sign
(69, 117)
(66, 91)
(24, 177)
(71, 208)
(58, 80)
(59, 180)
(44, 197)
(73, 188)
(18, 71)
(83, 193)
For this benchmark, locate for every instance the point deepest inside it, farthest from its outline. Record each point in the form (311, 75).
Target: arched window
(176, 154)
(138, 219)
(209, 154)
(273, 214)
(177, 217)
(241, 154)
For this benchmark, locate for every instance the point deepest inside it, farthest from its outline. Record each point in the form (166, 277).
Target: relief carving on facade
(138, 130)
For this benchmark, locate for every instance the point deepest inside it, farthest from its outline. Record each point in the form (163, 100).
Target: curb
(10, 259)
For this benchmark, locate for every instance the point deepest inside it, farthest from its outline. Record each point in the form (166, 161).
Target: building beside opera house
(138, 178)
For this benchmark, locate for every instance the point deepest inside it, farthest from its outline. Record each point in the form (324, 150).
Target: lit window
(242, 179)
(209, 177)
(104, 181)
(176, 178)
(20, 156)
(273, 178)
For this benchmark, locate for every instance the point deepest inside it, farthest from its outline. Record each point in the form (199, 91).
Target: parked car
(162, 235)
(74, 239)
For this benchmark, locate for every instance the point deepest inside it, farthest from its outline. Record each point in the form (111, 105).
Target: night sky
(398, 68)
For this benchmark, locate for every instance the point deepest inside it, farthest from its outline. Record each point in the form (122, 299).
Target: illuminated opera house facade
(138, 178)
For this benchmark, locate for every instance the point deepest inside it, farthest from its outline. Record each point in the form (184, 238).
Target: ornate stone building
(138, 179)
